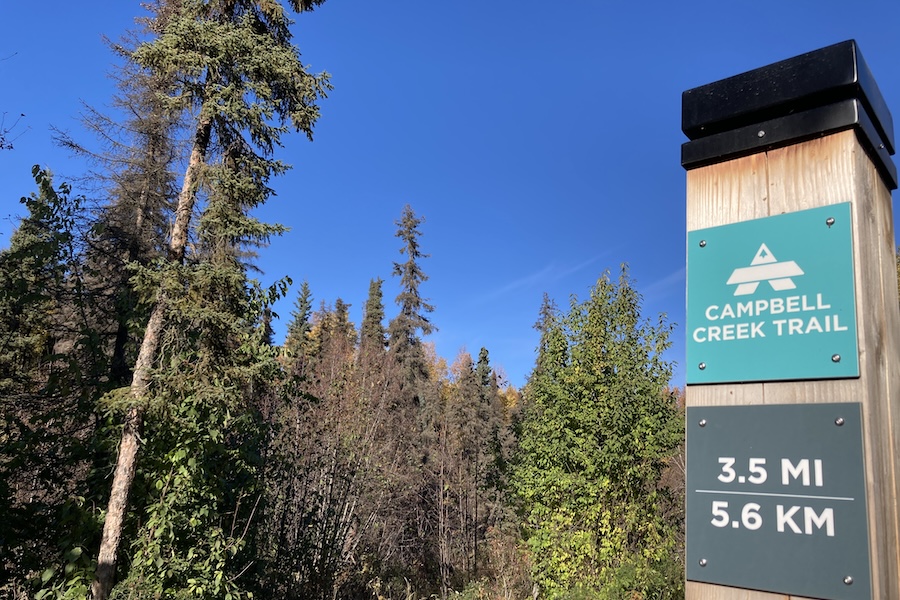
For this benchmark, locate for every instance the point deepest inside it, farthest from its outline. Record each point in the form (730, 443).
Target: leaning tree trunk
(140, 383)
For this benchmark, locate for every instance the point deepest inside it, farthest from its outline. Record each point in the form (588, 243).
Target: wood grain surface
(824, 171)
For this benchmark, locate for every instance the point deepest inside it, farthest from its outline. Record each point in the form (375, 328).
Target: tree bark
(140, 383)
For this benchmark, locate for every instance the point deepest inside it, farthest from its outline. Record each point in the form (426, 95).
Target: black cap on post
(811, 95)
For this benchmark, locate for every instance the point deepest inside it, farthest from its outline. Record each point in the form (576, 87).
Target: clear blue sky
(540, 141)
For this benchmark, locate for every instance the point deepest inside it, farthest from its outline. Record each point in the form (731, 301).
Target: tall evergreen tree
(32, 275)
(485, 373)
(403, 330)
(298, 345)
(333, 341)
(372, 335)
(599, 427)
(136, 161)
(46, 422)
(342, 326)
(298, 328)
(236, 71)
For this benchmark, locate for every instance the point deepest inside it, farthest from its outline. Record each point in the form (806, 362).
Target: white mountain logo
(764, 267)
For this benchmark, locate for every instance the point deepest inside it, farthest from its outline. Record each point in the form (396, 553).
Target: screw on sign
(772, 299)
(781, 487)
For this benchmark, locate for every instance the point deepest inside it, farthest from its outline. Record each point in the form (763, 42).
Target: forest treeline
(157, 443)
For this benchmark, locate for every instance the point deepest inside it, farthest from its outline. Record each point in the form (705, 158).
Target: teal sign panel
(772, 299)
(776, 499)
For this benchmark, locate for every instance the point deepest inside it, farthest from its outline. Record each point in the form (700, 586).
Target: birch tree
(600, 424)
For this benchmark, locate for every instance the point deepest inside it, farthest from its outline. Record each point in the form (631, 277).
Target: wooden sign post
(793, 325)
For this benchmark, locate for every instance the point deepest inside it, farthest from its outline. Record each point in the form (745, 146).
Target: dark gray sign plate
(776, 499)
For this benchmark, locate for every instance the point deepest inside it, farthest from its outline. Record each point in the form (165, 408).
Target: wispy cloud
(666, 285)
(545, 276)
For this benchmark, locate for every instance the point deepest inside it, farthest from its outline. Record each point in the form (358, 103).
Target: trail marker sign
(793, 334)
(773, 299)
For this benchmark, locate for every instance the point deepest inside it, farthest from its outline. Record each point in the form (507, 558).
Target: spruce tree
(46, 423)
(234, 70)
(297, 343)
(343, 328)
(484, 372)
(32, 273)
(372, 335)
(135, 159)
(403, 331)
